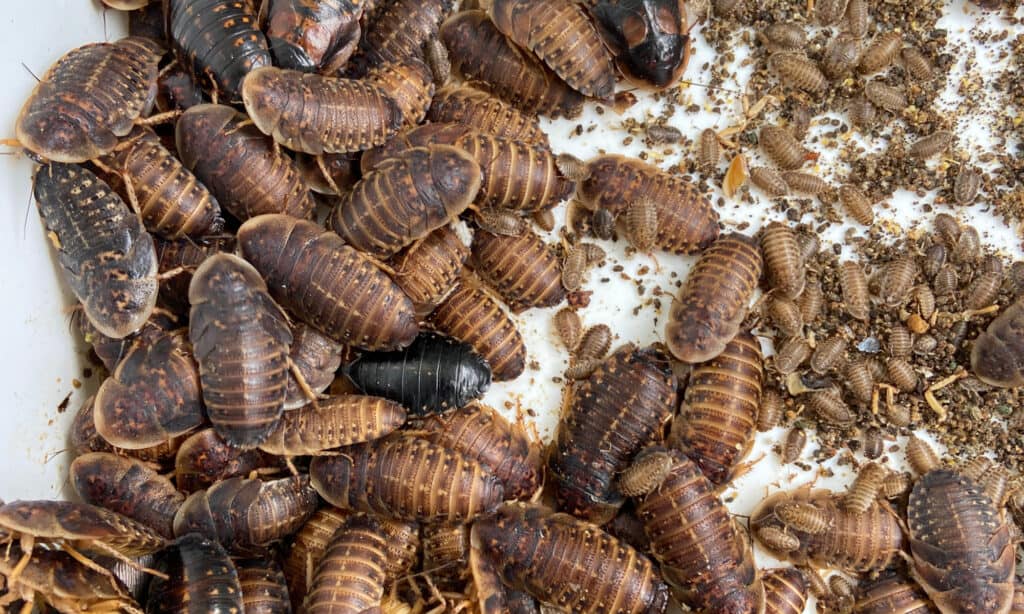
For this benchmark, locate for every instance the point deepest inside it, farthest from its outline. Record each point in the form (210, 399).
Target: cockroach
(803, 516)
(828, 12)
(885, 96)
(713, 303)
(649, 40)
(532, 549)
(785, 316)
(785, 591)
(446, 554)
(398, 29)
(854, 286)
(687, 223)
(569, 328)
(215, 142)
(201, 578)
(646, 473)
(327, 284)
(419, 136)
(408, 478)
(177, 89)
(996, 356)
(204, 459)
(931, 145)
(503, 222)
(896, 484)
(830, 354)
(916, 64)
(811, 300)
(602, 222)
(967, 185)
(880, 52)
(110, 351)
(407, 197)
(429, 269)
(486, 114)
(60, 580)
(409, 83)
(983, 290)
(433, 374)
(808, 245)
(891, 593)
(219, 40)
(791, 354)
(663, 134)
(841, 56)
(769, 180)
(782, 262)
(482, 434)
(777, 539)
(108, 258)
(946, 281)
(925, 344)
(902, 374)
(770, 413)
(181, 258)
(718, 416)
(782, 147)
(481, 52)
(264, 590)
(861, 112)
(561, 34)
(595, 343)
(523, 269)
(84, 439)
(800, 121)
(852, 542)
(968, 245)
(828, 405)
(154, 393)
(920, 456)
(900, 342)
(896, 280)
(435, 54)
(241, 340)
(620, 409)
(793, 447)
(470, 315)
(331, 174)
(313, 36)
(243, 514)
(842, 592)
(346, 115)
(171, 202)
(785, 35)
(865, 488)
(857, 18)
(856, 204)
(307, 548)
(709, 150)
(128, 487)
(316, 358)
(992, 264)
(947, 229)
(934, 257)
(705, 558)
(88, 99)
(795, 70)
(335, 421)
(805, 183)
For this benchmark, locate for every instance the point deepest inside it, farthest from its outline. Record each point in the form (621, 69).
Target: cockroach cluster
(300, 235)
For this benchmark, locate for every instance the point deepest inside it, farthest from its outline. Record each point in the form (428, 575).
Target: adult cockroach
(649, 38)
(201, 578)
(485, 113)
(428, 269)
(523, 269)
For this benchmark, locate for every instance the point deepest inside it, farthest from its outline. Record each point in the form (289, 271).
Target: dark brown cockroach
(885, 96)
(523, 269)
(245, 514)
(983, 290)
(560, 33)
(861, 112)
(420, 136)
(470, 315)
(934, 257)
(840, 57)
(783, 148)
(828, 405)
(880, 52)
(331, 174)
(481, 52)
(148, 22)
(177, 89)
(219, 41)
(795, 70)
(628, 528)
(854, 285)
(967, 185)
(408, 478)
(704, 555)
(968, 245)
(663, 134)
(772, 409)
(865, 488)
(785, 35)
(264, 590)
(828, 12)
(536, 551)
(805, 183)
(931, 145)
(829, 354)
(711, 306)
(313, 36)
(783, 265)
(996, 356)
(602, 222)
(429, 269)
(409, 83)
(856, 204)
(327, 284)
(500, 222)
(769, 180)
(717, 419)
(790, 354)
(811, 300)
(407, 197)
(482, 434)
(171, 202)
(153, 394)
(569, 328)
(902, 374)
(946, 281)
(316, 358)
(316, 114)
(446, 554)
(896, 280)
(84, 439)
(128, 487)
(486, 114)
(88, 98)
(793, 447)
(687, 223)
(947, 229)
(241, 340)
(852, 542)
(60, 580)
(181, 258)
(202, 578)
(335, 421)
(916, 64)
(620, 409)
(204, 459)
(785, 591)
(107, 257)
(397, 30)
(892, 593)
(857, 18)
(650, 40)
(110, 351)
(642, 224)
(709, 150)
(307, 548)
(216, 142)
(785, 316)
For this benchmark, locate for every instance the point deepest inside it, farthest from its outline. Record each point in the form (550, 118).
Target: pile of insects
(299, 235)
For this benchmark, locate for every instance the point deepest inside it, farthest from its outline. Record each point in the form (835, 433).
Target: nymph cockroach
(796, 70)
(311, 35)
(854, 284)
(769, 180)
(783, 264)
(840, 57)
(332, 422)
(523, 269)
(201, 578)
(428, 269)
(649, 38)
(327, 284)
(880, 52)
(968, 183)
(485, 113)
(783, 148)
(931, 145)
(885, 96)
(857, 204)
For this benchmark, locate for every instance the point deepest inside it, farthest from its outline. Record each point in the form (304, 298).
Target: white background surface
(40, 358)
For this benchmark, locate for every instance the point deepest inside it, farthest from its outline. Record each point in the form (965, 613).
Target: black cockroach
(650, 37)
